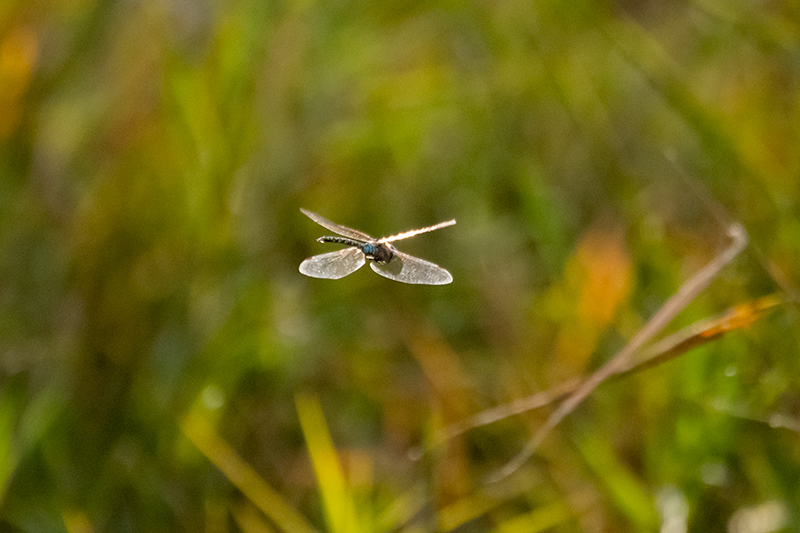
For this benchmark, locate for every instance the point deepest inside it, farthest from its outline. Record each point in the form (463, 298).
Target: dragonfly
(384, 258)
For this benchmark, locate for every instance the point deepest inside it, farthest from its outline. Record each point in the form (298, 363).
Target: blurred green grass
(153, 160)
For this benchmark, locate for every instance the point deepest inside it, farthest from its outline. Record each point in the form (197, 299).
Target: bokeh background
(165, 367)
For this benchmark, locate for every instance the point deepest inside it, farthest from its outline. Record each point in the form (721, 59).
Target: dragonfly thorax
(380, 252)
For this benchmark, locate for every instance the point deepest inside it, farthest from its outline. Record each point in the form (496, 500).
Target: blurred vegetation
(165, 367)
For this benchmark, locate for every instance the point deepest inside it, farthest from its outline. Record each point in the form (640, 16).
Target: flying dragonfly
(384, 258)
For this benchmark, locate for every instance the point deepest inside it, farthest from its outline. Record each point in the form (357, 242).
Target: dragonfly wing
(337, 228)
(411, 233)
(409, 269)
(333, 265)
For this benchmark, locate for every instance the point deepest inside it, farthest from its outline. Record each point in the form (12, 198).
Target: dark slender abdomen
(378, 252)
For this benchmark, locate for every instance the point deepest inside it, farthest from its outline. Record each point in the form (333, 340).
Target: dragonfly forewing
(411, 233)
(337, 228)
(333, 265)
(409, 269)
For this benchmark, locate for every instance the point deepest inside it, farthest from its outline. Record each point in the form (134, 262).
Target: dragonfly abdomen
(342, 240)
(380, 252)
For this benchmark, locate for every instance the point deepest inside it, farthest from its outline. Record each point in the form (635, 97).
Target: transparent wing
(333, 265)
(411, 233)
(409, 269)
(337, 228)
